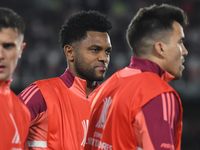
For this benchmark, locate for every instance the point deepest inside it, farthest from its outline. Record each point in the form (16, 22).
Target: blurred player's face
(11, 47)
(175, 52)
(92, 56)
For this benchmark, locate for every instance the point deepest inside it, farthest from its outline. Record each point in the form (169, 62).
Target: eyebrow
(8, 42)
(100, 47)
(95, 46)
(110, 48)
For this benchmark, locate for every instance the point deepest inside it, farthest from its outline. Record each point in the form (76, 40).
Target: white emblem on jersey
(85, 128)
(102, 119)
(16, 138)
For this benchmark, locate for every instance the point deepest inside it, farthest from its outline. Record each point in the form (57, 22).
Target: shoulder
(28, 93)
(52, 82)
(33, 99)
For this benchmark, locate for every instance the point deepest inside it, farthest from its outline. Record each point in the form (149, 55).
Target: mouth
(183, 67)
(101, 68)
(2, 67)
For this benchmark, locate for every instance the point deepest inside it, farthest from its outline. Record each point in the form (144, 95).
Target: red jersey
(58, 105)
(15, 119)
(136, 109)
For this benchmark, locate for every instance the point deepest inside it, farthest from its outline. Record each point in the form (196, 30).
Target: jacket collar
(146, 65)
(76, 84)
(5, 86)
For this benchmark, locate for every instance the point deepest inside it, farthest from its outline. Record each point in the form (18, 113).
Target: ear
(160, 49)
(69, 52)
(21, 49)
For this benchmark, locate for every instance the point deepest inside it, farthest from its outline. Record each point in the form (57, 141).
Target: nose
(184, 51)
(104, 57)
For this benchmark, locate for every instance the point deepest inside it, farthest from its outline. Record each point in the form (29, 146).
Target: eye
(108, 52)
(94, 49)
(8, 45)
(181, 41)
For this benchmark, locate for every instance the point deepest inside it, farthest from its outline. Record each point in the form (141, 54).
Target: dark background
(43, 58)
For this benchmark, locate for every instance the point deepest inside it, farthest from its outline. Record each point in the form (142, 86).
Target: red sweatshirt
(15, 119)
(136, 109)
(57, 105)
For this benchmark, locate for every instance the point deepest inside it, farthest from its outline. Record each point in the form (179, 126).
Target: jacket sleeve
(33, 99)
(155, 124)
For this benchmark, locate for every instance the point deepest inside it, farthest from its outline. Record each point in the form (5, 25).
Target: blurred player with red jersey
(14, 115)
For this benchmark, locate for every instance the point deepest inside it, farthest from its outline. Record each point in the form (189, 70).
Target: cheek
(177, 53)
(91, 58)
(13, 60)
(108, 58)
(180, 49)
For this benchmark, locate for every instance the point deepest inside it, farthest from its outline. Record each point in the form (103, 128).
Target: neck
(5, 86)
(90, 87)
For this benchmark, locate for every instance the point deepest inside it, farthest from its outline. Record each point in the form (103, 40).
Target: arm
(155, 124)
(33, 99)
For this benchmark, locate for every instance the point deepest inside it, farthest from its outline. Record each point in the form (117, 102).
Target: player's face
(92, 56)
(176, 52)
(11, 47)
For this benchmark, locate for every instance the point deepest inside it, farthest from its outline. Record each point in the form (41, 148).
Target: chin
(99, 78)
(178, 77)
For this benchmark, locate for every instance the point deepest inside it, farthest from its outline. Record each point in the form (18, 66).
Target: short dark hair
(9, 18)
(153, 22)
(75, 27)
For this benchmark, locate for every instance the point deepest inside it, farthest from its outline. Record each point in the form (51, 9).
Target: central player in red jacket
(60, 107)
(136, 109)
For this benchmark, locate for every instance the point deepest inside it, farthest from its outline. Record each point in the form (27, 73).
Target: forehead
(8, 34)
(97, 38)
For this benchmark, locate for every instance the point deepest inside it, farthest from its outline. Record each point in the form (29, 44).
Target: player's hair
(75, 27)
(9, 18)
(155, 23)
